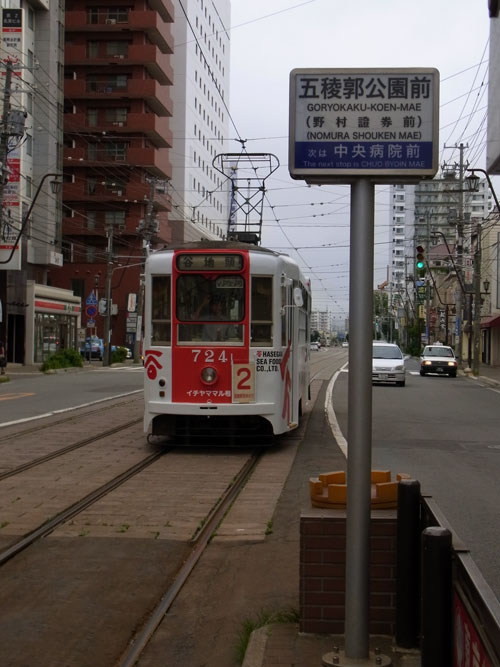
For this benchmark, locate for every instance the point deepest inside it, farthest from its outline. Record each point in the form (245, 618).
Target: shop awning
(492, 321)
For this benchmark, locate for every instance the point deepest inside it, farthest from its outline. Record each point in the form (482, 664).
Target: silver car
(388, 364)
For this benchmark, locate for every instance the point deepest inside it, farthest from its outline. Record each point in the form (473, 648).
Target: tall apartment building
(200, 123)
(321, 320)
(433, 214)
(31, 100)
(117, 106)
(401, 234)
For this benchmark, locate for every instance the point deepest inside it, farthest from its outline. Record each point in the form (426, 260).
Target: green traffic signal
(420, 257)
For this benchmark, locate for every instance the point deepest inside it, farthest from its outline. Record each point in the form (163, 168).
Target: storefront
(52, 321)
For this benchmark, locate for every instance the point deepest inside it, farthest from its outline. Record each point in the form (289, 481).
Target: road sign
(91, 311)
(376, 123)
(91, 300)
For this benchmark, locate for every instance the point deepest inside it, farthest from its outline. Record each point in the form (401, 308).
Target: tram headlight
(208, 375)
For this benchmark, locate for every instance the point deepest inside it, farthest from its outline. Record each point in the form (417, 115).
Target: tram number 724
(208, 356)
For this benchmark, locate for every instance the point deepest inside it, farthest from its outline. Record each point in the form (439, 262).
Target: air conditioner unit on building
(118, 123)
(110, 21)
(117, 192)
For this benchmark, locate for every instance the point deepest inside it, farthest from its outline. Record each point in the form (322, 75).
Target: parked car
(388, 363)
(93, 348)
(439, 359)
(345, 344)
(314, 346)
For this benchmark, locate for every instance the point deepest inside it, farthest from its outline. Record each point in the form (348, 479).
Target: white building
(32, 41)
(200, 123)
(321, 320)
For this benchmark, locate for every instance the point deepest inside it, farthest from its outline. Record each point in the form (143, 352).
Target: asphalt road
(444, 432)
(30, 395)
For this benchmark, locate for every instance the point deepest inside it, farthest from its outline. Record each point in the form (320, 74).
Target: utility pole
(106, 357)
(460, 252)
(4, 178)
(147, 228)
(427, 279)
(477, 301)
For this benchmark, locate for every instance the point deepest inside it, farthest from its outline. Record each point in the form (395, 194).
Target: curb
(256, 649)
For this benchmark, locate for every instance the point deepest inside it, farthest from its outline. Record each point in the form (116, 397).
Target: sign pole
(362, 126)
(359, 419)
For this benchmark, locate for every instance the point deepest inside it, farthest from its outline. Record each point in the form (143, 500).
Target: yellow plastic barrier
(329, 490)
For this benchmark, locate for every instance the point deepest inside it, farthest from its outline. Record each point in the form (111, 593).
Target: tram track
(73, 418)
(77, 507)
(200, 543)
(69, 448)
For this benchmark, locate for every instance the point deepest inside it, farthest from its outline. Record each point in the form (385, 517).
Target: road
(444, 433)
(30, 395)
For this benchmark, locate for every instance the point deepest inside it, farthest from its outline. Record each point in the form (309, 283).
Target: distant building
(321, 321)
(117, 92)
(200, 123)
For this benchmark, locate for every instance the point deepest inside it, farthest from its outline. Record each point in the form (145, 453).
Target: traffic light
(420, 257)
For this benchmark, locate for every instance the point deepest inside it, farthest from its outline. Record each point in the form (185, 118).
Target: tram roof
(218, 245)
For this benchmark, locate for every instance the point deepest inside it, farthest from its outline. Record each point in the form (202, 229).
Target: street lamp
(55, 187)
(473, 184)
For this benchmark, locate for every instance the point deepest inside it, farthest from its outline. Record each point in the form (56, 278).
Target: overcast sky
(270, 38)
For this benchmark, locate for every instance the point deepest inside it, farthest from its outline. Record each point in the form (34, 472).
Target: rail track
(166, 481)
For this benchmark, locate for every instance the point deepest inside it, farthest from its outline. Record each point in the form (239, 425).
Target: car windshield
(438, 352)
(386, 352)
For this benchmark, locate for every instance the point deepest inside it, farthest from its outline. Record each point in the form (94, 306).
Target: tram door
(289, 344)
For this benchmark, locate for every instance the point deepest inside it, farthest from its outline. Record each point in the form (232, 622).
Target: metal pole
(408, 564)
(359, 419)
(436, 597)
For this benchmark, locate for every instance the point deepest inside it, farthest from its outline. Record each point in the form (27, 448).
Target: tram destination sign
(380, 124)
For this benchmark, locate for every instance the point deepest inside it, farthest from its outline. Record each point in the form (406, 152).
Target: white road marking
(332, 418)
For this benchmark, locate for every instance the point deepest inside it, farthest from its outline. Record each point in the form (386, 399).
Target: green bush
(118, 355)
(62, 359)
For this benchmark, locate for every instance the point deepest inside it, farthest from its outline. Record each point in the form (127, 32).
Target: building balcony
(149, 56)
(95, 195)
(156, 128)
(153, 93)
(113, 21)
(125, 194)
(154, 160)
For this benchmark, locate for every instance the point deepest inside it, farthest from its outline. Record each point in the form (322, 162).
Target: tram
(226, 348)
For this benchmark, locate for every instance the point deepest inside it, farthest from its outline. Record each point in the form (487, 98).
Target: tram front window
(210, 309)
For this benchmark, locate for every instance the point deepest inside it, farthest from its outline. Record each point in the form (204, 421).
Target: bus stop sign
(380, 124)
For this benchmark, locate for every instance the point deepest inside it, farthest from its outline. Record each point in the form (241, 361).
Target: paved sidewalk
(33, 369)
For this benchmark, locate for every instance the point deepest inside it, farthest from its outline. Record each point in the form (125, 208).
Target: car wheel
(400, 384)
(422, 373)
(453, 375)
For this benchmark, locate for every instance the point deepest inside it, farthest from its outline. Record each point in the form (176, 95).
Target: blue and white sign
(91, 299)
(376, 123)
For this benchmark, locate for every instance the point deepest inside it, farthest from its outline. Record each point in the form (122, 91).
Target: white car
(314, 346)
(388, 363)
(438, 359)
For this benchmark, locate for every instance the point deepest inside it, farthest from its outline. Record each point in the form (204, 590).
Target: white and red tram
(226, 349)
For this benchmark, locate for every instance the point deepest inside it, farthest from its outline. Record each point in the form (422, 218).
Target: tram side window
(161, 317)
(261, 330)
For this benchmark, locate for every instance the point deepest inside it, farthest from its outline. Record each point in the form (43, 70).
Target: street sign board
(91, 299)
(380, 124)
